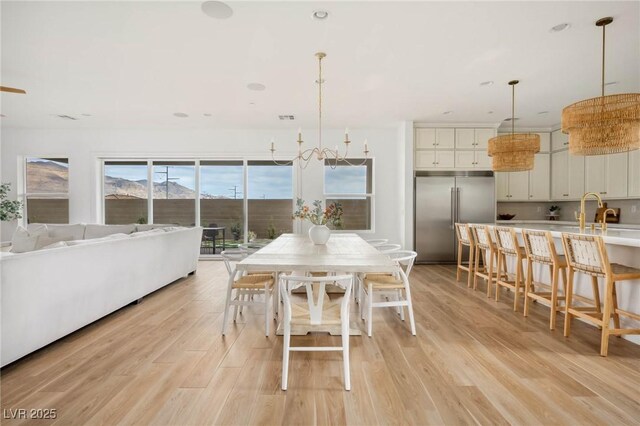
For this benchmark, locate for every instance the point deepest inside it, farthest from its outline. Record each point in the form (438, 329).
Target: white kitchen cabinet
(512, 186)
(634, 174)
(465, 139)
(445, 139)
(559, 140)
(595, 174)
(433, 159)
(567, 176)
(502, 186)
(425, 138)
(545, 142)
(472, 160)
(607, 175)
(482, 137)
(539, 178)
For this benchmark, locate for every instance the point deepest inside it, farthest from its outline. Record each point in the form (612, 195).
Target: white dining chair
(388, 248)
(378, 241)
(246, 287)
(390, 286)
(320, 311)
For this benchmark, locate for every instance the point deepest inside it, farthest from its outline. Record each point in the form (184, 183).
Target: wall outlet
(539, 209)
(634, 208)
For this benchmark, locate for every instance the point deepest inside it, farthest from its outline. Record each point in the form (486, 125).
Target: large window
(47, 190)
(125, 192)
(352, 186)
(221, 204)
(270, 199)
(174, 192)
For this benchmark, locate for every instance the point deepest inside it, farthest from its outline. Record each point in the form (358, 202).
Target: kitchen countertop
(563, 222)
(622, 235)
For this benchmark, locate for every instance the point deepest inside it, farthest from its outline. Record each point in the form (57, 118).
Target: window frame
(348, 196)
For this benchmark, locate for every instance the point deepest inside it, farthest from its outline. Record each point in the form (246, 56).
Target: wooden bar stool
(487, 251)
(508, 246)
(465, 238)
(541, 250)
(587, 254)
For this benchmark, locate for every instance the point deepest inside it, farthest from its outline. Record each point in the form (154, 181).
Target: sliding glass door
(270, 199)
(125, 192)
(174, 192)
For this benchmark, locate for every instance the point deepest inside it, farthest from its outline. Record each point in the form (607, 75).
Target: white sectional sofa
(49, 293)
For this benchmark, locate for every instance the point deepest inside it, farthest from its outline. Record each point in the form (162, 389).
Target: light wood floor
(473, 361)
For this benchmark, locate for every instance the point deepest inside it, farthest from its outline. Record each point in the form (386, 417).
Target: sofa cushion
(44, 240)
(72, 232)
(98, 240)
(57, 244)
(24, 241)
(149, 232)
(149, 227)
(99, 231)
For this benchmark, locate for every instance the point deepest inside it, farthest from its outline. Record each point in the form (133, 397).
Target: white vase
(319, 234)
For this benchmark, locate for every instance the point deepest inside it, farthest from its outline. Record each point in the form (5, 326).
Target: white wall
(84, 147)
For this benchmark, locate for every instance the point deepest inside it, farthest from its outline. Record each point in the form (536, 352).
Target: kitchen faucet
(582, 217)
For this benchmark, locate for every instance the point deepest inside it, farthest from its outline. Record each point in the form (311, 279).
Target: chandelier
(514, 152)
(606, 124)
(333, 156)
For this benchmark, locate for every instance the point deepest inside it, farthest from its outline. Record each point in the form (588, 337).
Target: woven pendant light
(514, 152)
(606, 124)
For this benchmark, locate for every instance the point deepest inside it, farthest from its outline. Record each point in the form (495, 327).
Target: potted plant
(319, 233)
(554, 212)
(9, 209)
(236, 231)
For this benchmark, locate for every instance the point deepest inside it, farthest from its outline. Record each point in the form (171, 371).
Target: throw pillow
(57, 244)
(23, 241)
(99, 231)
(73, 232)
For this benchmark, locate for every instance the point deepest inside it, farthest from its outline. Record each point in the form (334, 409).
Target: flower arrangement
(332, 215)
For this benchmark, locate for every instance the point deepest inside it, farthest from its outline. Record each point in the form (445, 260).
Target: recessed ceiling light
(509, 119)
(486, 83)
(2, 115)
(256, 86)
(86, 115)
(216, 9)
(560, 27)
(320, 14)
(543, 112)
(611, 83)
(252, 103)
(447, 112)
(489, 112)
(180, 114)
(206, 114)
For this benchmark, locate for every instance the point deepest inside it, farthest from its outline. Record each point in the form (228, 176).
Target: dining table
(344, 253)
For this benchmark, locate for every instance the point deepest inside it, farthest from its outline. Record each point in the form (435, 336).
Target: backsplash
(538, 211)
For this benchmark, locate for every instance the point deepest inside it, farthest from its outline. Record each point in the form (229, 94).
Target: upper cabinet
(634, 174)
(452, 148)
(559, 140)
(526, 186)
(607, 175)
(567, 176)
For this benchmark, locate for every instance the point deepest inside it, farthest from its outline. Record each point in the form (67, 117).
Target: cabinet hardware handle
(433, 162)
(604, 192)
(565, 195)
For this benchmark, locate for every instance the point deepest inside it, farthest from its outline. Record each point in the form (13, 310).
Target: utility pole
(235, 192)
(166, 180)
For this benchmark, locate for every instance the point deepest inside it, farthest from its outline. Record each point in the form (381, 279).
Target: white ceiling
(135, 64)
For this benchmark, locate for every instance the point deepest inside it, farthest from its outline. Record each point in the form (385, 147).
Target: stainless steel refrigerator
(443, 198)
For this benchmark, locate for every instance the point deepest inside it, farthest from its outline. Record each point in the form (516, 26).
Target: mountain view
(50, 177)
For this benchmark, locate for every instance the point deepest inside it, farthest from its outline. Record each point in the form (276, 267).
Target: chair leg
(568, 303)
(369, 310)
(345, 353)
(499, 275)
(606, 318)
(226, 306)
(266, 310)
(459, 262)
(596, 293)
(362, 298)
(554, 297)
(285, 356)
(490, 273)
(412, 321)
(399, 299)
(471, 269)
(614, 309)
(239, 298)
(518, 283)
(475, 268)
(527, 286)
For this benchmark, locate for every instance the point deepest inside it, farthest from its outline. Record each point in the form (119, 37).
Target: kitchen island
(623, 247)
